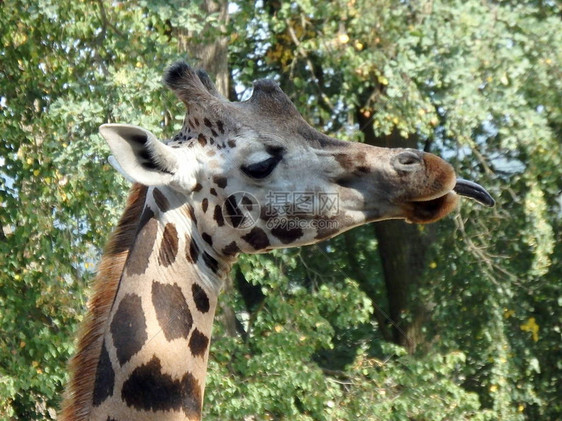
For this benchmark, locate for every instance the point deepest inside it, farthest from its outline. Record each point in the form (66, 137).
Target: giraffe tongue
(474, 191)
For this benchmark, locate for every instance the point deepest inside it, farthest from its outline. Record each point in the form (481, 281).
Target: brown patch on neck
(79, 391)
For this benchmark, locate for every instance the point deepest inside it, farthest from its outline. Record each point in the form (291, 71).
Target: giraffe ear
(141, 156)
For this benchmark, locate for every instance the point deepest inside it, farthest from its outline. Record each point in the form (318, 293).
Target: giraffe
(240, 177)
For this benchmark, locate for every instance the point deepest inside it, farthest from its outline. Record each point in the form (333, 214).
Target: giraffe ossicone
(240, 177)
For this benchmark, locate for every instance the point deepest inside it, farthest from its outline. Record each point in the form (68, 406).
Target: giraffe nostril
(408, 161)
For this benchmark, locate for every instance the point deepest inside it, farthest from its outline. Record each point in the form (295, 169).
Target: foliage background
(320, 334)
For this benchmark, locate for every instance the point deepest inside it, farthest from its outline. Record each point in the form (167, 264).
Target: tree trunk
(208, 49)
(402, 249)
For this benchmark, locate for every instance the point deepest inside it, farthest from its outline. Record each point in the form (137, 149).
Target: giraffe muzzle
(427, 211)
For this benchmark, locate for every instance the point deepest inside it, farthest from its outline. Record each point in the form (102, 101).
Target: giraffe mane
(82, 367)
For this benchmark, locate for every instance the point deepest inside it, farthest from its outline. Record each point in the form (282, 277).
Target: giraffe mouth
(427, 211)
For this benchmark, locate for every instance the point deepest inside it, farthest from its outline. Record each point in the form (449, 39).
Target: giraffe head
(255, 176)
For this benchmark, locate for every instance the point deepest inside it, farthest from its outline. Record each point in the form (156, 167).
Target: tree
(467, 329)
(64, 71)
(473, 82)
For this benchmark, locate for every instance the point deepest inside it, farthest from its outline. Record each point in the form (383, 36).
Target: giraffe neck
(153, 347)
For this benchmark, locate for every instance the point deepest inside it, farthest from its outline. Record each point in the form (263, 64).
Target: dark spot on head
(198, 343)
(168, 245)
(205, 205)
(195, 121)
(149, 389)
(197, 187)
(137, 261)
(213, 191)
(207, 122)
(200, 298)
(211, 262)
(172, 311)
(345, 160)
(208, 239)
(220, 181)
(353, 163)
(257, 238)
(231, 249)
(220, 126)
(231, 143)
(287, 235)
(105, 378)
(128, 328)
(161, 200)
(236, 216)
(192, 249)
(202, 139)
(218, 216)
(215, 134)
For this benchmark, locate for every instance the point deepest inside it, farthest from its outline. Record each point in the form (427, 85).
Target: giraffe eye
(261, 169)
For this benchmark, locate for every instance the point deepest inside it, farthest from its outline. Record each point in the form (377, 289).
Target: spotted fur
(128, 327)
(172, 311)
(168, 245)
(161, 200)
(198, 343)
(150, 389)
(105, 378)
